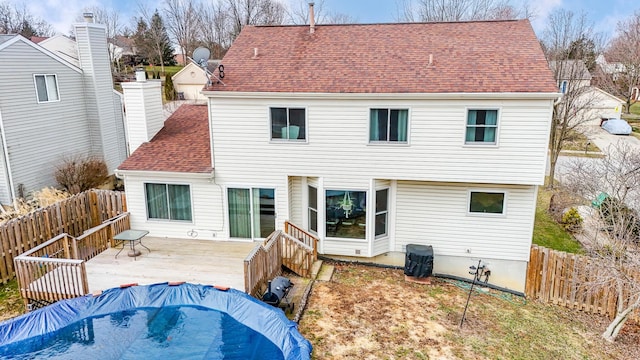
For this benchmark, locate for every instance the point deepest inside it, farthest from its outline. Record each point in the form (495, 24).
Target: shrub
(571, 220)
(169, 90)
(39, 199)
(620, 221)
(79, 174)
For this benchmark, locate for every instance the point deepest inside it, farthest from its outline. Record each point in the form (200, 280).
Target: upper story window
(288, 124)
(168, 201)
(388, 125)
(563, 86)
(46, 88)
(486, 202)
(482, 126)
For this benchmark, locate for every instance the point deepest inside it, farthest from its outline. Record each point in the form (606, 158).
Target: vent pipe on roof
(312, 19)
(430, 59)
(88, 17)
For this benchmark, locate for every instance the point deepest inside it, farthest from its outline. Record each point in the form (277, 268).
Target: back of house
(371, 137)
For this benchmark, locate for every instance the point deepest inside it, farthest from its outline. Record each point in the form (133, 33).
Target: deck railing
(47, 273)
(97, 239)
(262, 264)
(55, 270)
(308, 239)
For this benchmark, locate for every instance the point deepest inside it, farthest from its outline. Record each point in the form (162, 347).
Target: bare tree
(459, 10)
(214, 26)
(16, 19)
(181, 17)
(298, 13)
(622, 77)
(615, 249)
(571, 110)
(254, 12)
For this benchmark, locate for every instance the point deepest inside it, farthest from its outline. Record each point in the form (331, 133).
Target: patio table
(132, 237)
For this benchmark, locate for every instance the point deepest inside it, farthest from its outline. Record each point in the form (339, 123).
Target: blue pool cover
(157, 321)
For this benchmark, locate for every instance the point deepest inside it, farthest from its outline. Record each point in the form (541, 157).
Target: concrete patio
(194, 261)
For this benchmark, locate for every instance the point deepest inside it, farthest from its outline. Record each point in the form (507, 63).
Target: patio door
(251, 212)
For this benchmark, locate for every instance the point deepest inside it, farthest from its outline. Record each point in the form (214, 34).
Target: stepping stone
(326, 272)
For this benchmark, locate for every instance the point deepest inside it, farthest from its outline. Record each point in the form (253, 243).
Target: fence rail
(296, 255)
(562, 279)
(303, 236)
(72, 216)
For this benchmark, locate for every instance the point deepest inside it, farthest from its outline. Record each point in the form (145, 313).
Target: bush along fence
(561, 278)
(72, 216)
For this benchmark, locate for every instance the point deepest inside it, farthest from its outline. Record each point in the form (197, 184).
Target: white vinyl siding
(40, 137)
(436, 214)
(295, 200)
(337, 145)
(46, 88)
(208, 211)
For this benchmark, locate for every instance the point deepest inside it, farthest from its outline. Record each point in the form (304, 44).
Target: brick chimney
(143, 103)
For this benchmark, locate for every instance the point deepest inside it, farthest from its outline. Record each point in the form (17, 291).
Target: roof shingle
(182, 145)
(469, 57)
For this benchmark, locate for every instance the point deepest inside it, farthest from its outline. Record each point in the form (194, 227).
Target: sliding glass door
(251, 212)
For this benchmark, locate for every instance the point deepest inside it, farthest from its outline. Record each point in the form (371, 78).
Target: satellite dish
(201, 56)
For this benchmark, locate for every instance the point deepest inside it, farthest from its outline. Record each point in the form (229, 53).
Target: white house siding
(437, 215)
(5, 195)
(295, 200)
(338, 145)
(191, 91)
(209, 215)
(30, 126)
(121, 144)
(101, 113)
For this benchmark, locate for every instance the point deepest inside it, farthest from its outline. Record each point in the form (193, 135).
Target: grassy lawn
(372, 313)
(10, 301)
(168, 69)
(579, 142)
(547, 232)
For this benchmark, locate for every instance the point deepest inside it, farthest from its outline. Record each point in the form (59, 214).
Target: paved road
(603, 139)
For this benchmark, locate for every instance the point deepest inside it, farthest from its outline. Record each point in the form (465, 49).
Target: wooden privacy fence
(562, 279)
(262, 264)
(73, 216)
(55, 270)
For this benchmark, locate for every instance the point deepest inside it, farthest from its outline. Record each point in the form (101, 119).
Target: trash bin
(418, 261)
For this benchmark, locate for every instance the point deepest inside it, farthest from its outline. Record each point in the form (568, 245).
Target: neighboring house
(189, 81)
(57, 102)
(372, 137)
(594, 103)
(123, 51)
(615, 69)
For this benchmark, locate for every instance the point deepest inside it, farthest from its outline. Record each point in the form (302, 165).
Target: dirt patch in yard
(372, 313)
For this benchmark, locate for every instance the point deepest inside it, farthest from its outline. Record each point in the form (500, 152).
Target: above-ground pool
(153, 322)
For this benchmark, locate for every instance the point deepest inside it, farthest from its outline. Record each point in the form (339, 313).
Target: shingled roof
(466, 57)
(182, 145)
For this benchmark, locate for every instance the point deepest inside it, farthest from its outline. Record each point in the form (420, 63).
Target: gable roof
(38, 39)
(570, 70)
(182, 145)
(16, 38)
(467, 57)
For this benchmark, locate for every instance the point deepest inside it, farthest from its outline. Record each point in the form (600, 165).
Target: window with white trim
(388, 125)
(288, 124)
(46, 87)
(482, 126)
(382, 211)
(313, 209)
(486, 202)
(168, 201)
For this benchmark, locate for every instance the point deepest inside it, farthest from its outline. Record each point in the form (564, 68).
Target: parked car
(616, 127)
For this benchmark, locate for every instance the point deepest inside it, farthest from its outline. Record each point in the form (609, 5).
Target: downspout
(7, 164)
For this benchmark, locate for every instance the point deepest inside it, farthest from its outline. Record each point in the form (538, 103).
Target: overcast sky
(604, 14)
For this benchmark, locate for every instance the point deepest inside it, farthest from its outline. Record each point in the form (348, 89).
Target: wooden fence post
(93, 209)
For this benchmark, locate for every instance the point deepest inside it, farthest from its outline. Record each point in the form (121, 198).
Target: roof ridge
(392, 23)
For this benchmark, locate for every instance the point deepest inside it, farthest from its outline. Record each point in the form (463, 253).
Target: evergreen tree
(152, 41)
